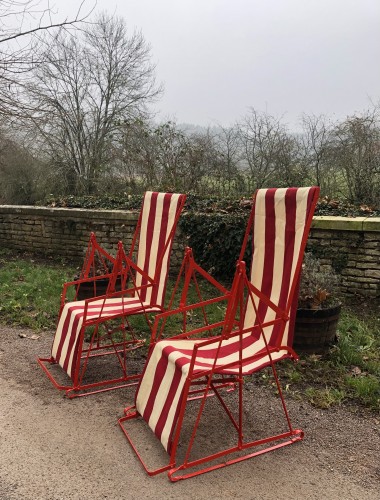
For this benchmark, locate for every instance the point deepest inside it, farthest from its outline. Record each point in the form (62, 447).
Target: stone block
(338, 223)
(353, 272)
(372, 251)
(362, 279)
(367, 265)
(373, 273)
(372, 224)
(362, 257)
(371, 244)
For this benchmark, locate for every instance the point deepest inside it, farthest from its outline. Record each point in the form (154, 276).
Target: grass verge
(348, 372)
(30, 290)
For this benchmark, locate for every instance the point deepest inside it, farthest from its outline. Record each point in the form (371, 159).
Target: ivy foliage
(196, 203)
(216, 240)
(120, 201)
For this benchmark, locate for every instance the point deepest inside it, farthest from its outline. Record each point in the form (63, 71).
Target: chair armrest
(77, 282)
(157, 333)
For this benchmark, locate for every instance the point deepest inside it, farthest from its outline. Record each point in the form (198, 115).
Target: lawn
(349, 373)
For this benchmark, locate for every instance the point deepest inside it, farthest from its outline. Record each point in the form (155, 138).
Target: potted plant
(318, 307)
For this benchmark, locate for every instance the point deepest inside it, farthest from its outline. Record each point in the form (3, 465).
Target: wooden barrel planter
(315, 329)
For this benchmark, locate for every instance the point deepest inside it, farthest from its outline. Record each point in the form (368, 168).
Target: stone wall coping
(319, 221)
(69, 213)
(346, 223)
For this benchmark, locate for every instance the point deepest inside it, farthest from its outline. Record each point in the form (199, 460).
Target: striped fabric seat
(66, 345)
(280, 222)
(148, 271)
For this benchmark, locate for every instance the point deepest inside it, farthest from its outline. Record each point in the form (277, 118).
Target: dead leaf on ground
(355, 370)
(315, 357)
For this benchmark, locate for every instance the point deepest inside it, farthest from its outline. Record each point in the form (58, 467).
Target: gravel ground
(52, 448)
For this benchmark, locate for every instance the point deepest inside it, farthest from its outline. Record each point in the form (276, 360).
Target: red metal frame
(96, 259)
(242, 292)
(102, 343)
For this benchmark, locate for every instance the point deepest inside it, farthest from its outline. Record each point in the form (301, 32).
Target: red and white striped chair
(257, 332)
(141, 290)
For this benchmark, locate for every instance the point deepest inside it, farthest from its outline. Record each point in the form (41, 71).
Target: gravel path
(52, 448)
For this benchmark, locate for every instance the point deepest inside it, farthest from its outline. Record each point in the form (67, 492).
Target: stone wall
(65, 232)
(351, 246)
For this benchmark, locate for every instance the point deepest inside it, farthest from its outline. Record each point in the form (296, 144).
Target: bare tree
(202, 160)
(166, 157)
(316, 140)
(264, 142)
(135, 162)
(24, 25)
(85, 91)
(357, 154)
(227, 171)
(22, 176)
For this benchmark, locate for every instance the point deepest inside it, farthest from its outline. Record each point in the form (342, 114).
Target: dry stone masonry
(350, 245)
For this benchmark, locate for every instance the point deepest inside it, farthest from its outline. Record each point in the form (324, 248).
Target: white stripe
(65, 345)
(164, 269)
(261, 361)
(147, 380)
(163, 391)
(61, 322)
(259, 254)
(143, 235)
(58, 332)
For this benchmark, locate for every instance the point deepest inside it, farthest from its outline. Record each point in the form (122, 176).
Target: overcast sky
(218, 58)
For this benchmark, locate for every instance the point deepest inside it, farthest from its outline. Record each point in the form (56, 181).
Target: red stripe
(72, 334)
(290, 202)
(157, 378)
(161, 243)
(63, 333)
(156, 382)
(168, 404)
(180, 202)
(75, 364)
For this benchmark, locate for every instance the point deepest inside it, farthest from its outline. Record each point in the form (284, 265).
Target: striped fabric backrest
(281, 223)
(158, 221)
